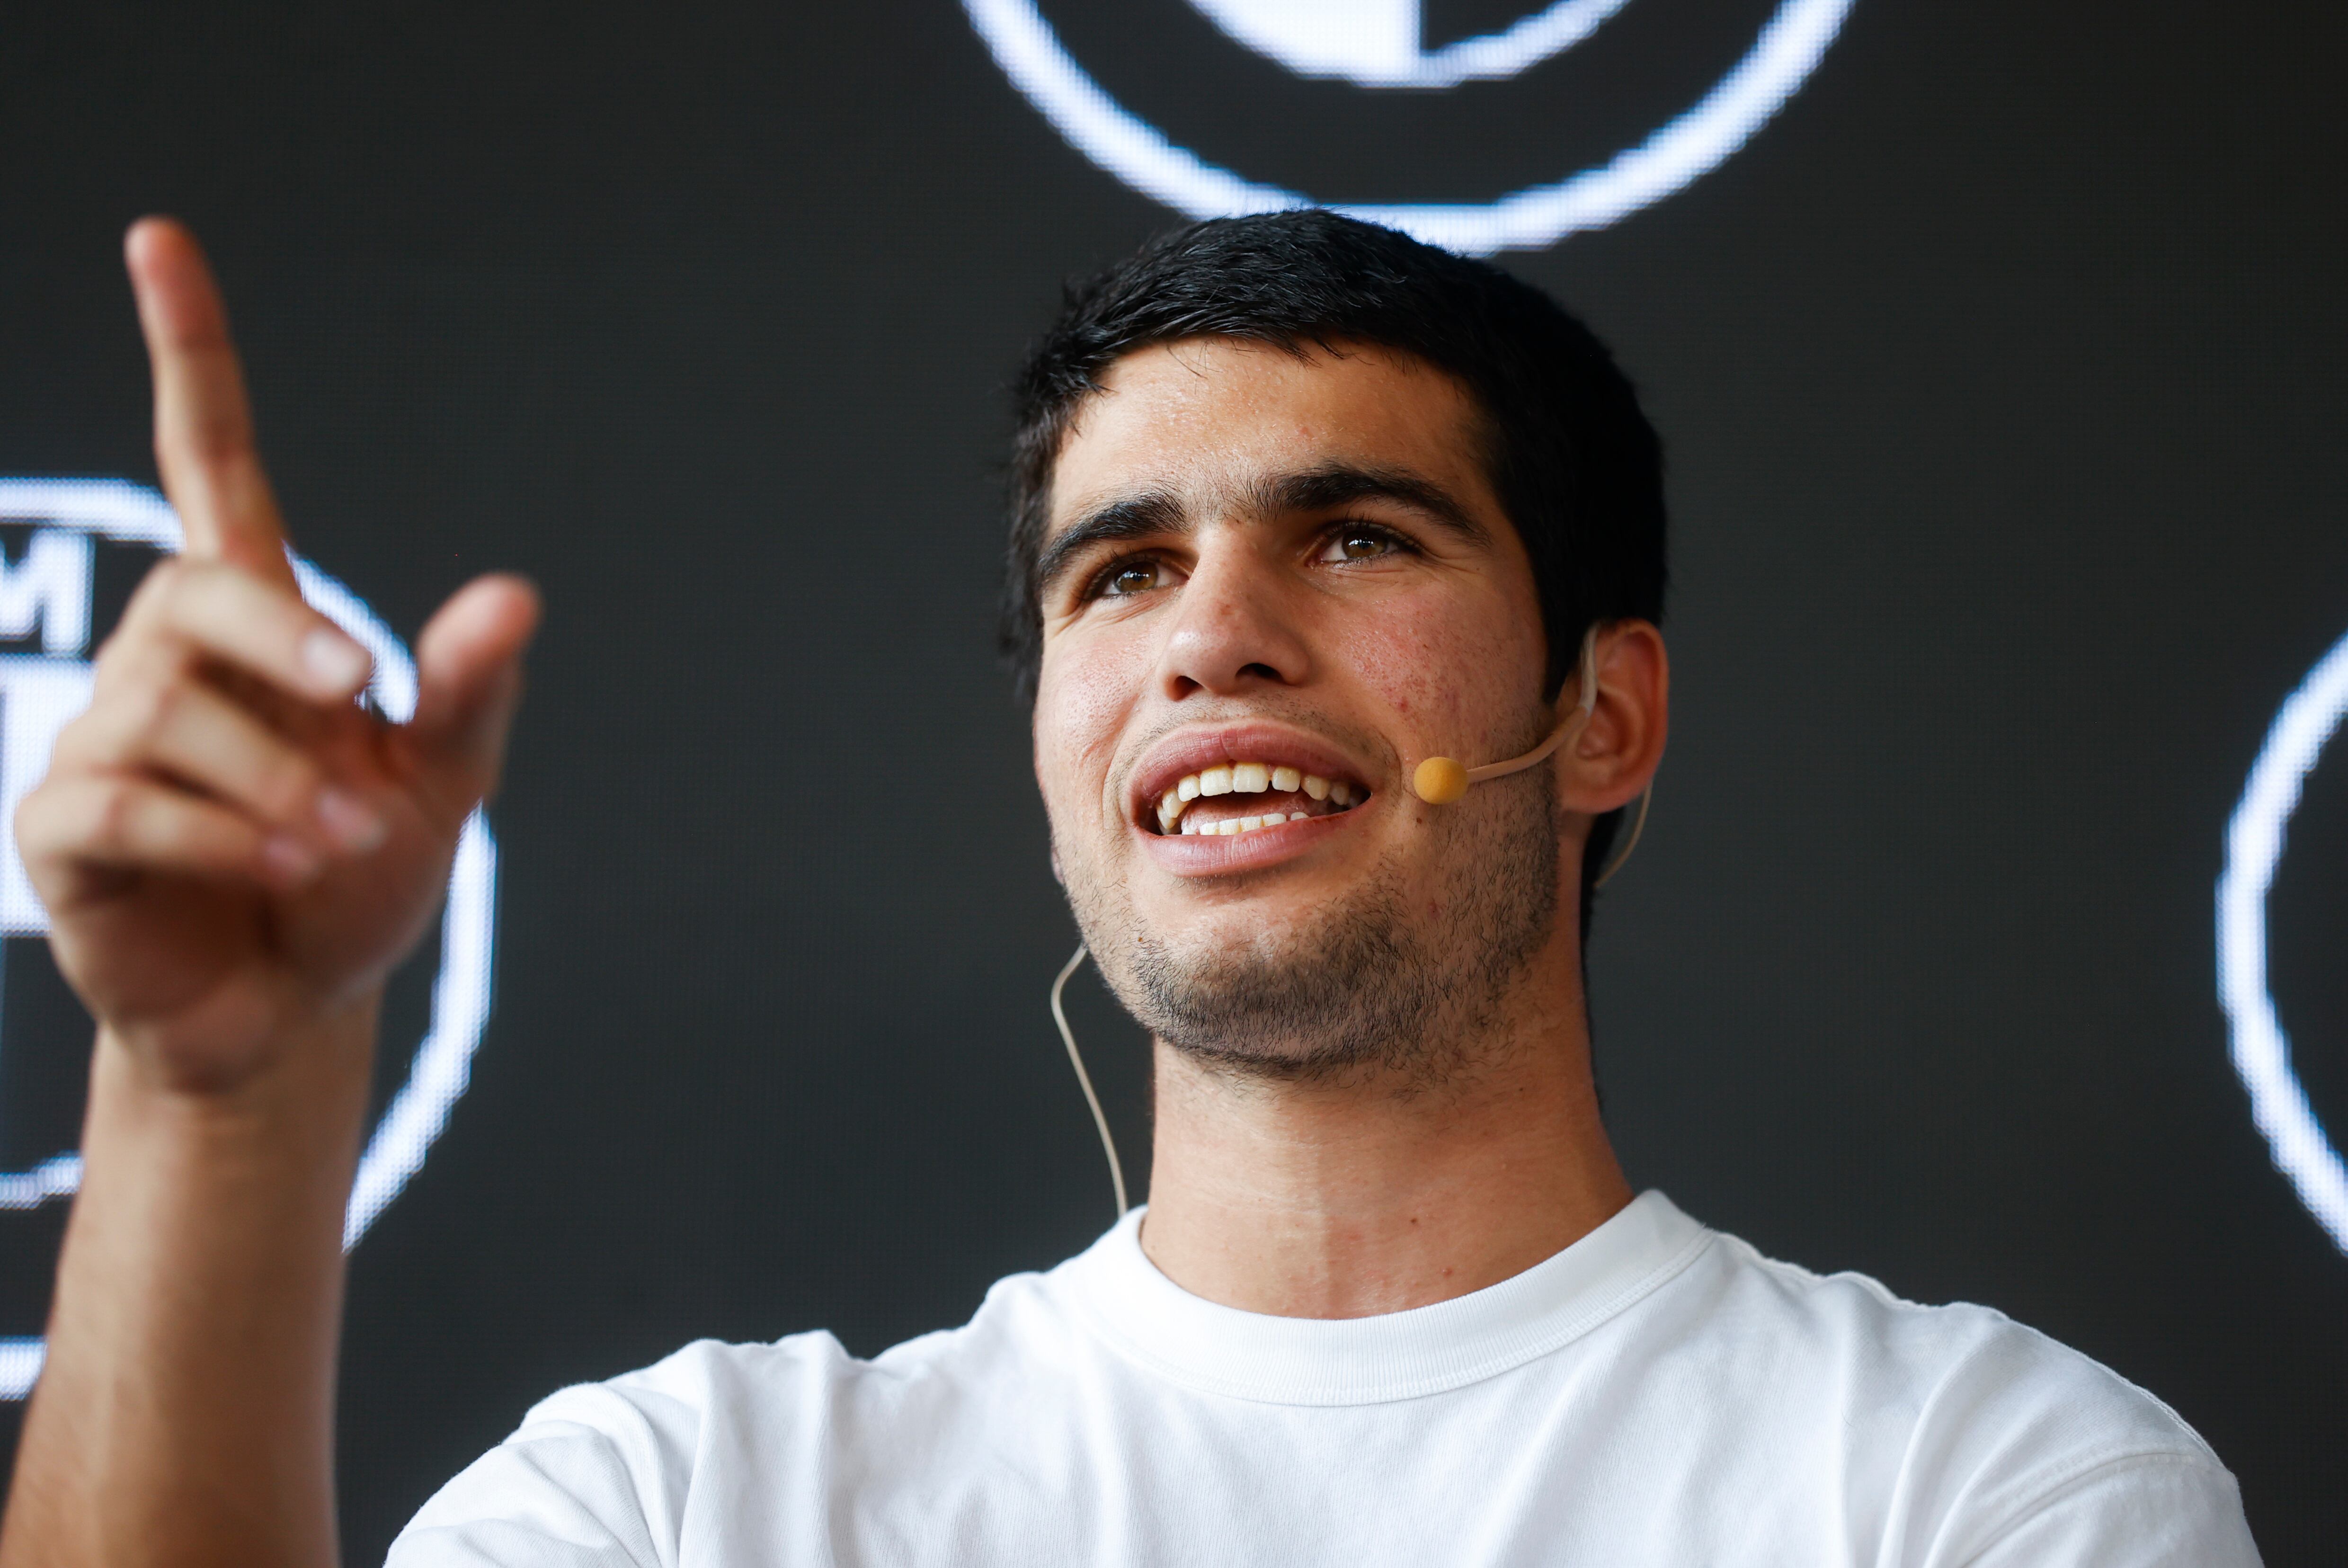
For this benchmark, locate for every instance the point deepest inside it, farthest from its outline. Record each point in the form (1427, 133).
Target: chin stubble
(1361, 988)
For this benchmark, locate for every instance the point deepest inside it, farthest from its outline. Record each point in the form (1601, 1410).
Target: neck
(1348, 1199)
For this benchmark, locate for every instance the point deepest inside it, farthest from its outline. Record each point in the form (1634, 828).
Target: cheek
(1085, 697)
(1454, 677)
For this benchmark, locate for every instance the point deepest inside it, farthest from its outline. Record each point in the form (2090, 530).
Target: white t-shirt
(1657, 1393)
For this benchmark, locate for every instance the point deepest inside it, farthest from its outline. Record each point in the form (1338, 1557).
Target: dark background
(2002, 380)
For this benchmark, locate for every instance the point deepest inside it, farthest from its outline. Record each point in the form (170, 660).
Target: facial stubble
(1359, 986)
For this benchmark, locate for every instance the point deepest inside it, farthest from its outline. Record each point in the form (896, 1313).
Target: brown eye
(1139, 577)
(1358, 546)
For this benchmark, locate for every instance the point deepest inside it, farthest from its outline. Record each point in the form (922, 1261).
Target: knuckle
(187, 589)
(286, 786)
(219, 434)
(124, 672)
(159, 595)
(108, 814)
(116, 651)
(75, 742)
(33, 820)
(147, 710)
(146, 619)
(158, 583)
(118, 723)
(43, 849)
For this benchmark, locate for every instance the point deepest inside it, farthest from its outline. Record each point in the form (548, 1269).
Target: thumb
(468, 682)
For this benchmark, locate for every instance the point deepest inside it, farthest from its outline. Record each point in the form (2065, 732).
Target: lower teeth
(1174, 821)
(1230, 825)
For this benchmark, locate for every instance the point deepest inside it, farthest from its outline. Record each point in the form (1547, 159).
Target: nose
(1235, 625)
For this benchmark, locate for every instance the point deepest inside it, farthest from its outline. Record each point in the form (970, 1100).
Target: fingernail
(350, 821)
(289, 858)
(334, 659)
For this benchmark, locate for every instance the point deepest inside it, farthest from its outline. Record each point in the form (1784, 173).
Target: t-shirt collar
(1151, 1320)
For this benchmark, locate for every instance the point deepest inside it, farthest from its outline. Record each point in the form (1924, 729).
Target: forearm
(185, 1412)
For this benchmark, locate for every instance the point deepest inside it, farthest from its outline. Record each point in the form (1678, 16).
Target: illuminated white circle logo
(2254, 843)
(1377, 44)
(48, 592)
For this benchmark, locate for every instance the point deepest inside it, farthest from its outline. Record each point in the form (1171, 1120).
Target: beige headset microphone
(1438, 782)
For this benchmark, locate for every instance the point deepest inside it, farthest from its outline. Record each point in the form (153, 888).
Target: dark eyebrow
(1129, 517)
(1327, 489)
(1339, 485)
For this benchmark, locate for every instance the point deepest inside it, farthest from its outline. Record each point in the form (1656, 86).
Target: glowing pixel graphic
(2254, 846)
(1377, 44)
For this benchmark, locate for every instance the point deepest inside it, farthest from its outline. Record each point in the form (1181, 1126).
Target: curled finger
(195, 734)
(120, 823)
(226, 615)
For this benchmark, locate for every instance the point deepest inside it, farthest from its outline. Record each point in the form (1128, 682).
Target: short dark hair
(1575, 464)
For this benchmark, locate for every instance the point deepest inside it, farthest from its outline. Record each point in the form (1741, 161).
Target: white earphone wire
(1077, 1060)
(1638, 825)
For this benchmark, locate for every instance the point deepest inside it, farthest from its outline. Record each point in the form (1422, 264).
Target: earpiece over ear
(1440, 780)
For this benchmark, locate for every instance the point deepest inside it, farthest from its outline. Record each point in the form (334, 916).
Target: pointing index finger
(203, 427)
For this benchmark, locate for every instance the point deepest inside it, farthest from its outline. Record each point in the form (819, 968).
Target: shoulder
(806, 1376)
(609, 1470)
(1958, 1368)
(603, 1471)
(1965, 1424)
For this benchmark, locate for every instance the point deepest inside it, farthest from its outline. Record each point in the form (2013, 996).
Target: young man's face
(1280, 582)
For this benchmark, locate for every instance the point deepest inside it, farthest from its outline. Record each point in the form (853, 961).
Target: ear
(1057, 875)
(1616, 754)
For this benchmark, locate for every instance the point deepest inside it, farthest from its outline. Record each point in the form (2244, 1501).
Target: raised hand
(229, 846)
(234, 854)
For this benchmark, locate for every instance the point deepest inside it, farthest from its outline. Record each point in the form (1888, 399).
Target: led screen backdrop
(1986, 935)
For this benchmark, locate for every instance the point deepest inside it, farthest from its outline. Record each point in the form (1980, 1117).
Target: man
(1299, 504)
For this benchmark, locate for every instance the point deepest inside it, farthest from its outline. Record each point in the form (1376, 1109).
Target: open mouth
(1245, 797)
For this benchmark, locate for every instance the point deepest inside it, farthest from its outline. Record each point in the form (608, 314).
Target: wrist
(198, 1307)
(230, 1060)
(294, 1105)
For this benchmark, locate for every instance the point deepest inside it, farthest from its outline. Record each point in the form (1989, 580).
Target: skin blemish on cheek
(1419, 674)
(1455, 663)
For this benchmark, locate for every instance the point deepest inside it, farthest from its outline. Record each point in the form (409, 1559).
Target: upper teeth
(1245, 778)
